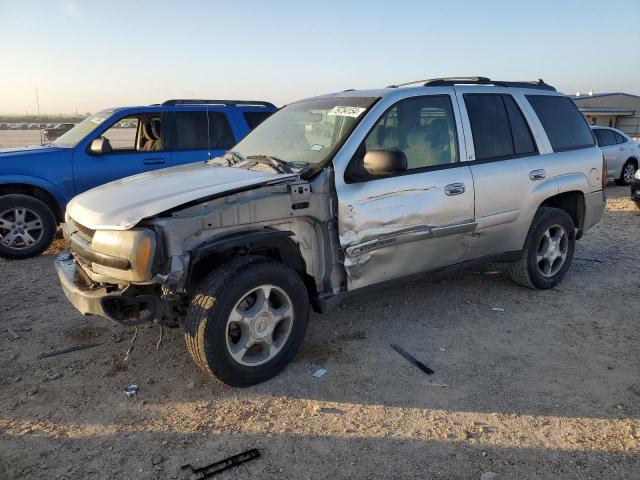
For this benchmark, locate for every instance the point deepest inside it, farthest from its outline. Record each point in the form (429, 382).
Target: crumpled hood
(120, 205)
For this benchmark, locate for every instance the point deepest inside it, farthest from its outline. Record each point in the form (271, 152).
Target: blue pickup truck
(37, 182)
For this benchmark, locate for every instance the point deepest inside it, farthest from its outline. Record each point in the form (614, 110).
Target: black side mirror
(384, 162)
(100, 145)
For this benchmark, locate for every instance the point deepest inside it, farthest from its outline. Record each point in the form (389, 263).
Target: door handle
(537, 174)
(621, 148)
(454, 189)
(153, 161)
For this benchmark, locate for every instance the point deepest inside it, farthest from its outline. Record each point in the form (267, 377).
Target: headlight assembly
(138, 246)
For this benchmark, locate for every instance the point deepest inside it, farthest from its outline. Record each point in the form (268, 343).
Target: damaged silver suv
(329, 196)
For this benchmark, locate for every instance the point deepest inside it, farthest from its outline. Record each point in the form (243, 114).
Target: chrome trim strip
(411, 235)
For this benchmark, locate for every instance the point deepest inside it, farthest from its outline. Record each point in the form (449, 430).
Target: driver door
(137, 145)
(415, 220)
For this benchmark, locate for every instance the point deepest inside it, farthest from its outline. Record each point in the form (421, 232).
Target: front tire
(247, 320)
(27, 226)
(548, 250)
(627, 173)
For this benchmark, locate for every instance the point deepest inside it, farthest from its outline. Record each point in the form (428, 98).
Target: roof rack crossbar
(451, 81)
(191, 101)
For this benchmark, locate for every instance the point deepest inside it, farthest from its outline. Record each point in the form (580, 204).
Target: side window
(607, 137)
(596, 132)
(140, 133)
(220, 133)
(190, 131)
(122, 135)
(523, 143)
(490, 126)
(424, 128)
(619, 138)
(254, 119)
(562, 121)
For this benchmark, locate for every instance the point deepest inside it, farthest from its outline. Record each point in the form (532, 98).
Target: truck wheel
(246, 320)
(27, 226)
(627, 173)
(548, 250)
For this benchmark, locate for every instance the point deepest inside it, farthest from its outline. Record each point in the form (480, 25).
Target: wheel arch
(571, 202)
(54, 201)
(275, 244)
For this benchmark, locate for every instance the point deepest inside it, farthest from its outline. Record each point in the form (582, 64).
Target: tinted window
(606, 137)
(522, 139)
(191, 131)
(220, 131)
(562, 121)
(619, 138)
(255, 118)
(489, 126)
(423, 128)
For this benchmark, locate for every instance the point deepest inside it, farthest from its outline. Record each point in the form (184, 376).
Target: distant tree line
(57, 118)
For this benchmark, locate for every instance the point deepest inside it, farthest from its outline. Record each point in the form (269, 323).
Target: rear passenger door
(502, 153)
(613, 154)
(199, 134)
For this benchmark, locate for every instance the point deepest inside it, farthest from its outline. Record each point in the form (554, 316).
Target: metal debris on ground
(587, 259)
(217, 467)
(412, 359)
(133, 339)
(498, 309)
(131, 390)
(13, 334)
(319, 372)
(69, 350)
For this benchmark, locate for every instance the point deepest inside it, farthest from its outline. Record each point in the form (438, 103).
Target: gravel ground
(547, 388)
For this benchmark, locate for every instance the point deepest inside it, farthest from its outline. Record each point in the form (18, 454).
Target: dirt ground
(547, 388)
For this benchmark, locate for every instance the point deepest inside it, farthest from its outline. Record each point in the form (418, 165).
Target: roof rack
(451, 81)
(234, 103)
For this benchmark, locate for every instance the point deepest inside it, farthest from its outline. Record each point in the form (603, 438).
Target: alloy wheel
(20, 228)
(259, 325)
(552, 250)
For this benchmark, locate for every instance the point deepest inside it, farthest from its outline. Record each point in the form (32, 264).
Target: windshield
(81, 130)
(305, 132)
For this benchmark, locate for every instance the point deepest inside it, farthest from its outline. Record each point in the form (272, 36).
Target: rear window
(255, 118)
(619, 138)
(562, 121)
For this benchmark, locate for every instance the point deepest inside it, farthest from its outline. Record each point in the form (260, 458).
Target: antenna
(37, 101)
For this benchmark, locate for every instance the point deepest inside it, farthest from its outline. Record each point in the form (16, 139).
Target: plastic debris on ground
(319, 372)
(498, 309)
(131, 390)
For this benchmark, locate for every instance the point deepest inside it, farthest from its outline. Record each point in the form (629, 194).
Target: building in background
(618, 110)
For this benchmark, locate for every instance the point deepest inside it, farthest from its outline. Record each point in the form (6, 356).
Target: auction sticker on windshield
(344, 111)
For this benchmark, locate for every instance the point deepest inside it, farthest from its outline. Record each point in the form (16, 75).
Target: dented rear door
(416, 221)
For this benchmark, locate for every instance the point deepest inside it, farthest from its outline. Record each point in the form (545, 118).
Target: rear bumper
(125, 307)
(635, 190)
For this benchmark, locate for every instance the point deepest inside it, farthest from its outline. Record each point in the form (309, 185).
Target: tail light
(605, 172)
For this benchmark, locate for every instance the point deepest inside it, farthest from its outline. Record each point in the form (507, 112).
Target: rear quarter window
(563, 123)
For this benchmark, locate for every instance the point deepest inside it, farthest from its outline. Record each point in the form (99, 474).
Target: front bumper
(635, 190)
(123, 306)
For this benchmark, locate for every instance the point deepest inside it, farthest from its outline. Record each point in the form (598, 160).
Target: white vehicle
(620, 152)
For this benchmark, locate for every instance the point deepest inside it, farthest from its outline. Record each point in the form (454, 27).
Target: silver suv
(332, 195)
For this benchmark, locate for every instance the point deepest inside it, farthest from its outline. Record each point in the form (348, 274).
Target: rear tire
(247, 320)
(627, 173)
(27, 226)
(548, 250)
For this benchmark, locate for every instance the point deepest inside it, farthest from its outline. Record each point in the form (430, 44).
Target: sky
(87, 55)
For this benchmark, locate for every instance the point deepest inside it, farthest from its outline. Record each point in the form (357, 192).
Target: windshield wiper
(278, 164)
